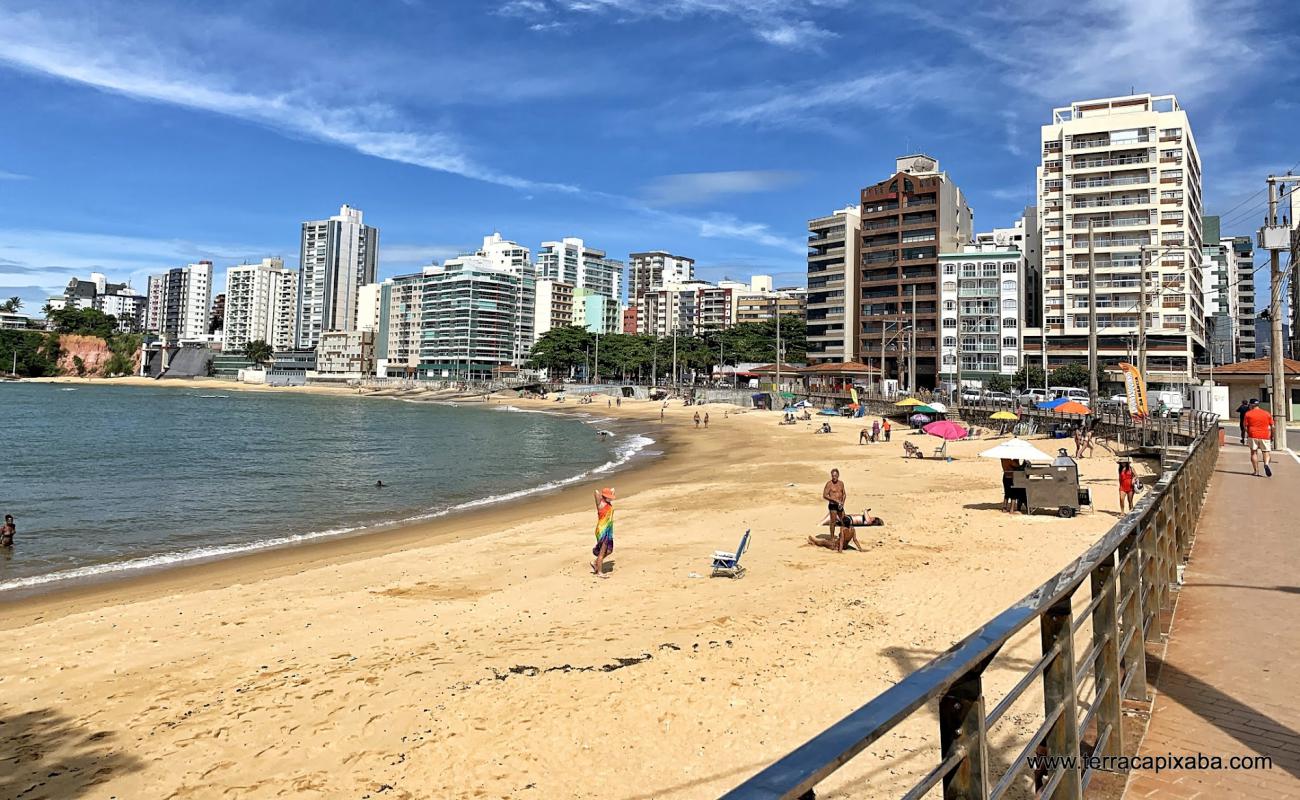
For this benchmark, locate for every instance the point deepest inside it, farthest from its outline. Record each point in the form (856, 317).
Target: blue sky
(142, 135)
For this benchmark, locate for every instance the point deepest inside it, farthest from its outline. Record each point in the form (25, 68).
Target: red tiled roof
(1258, 366)
(840, 368)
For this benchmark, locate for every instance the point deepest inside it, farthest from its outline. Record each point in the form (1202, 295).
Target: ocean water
(110, 479)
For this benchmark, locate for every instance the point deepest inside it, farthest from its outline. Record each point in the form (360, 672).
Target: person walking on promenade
(1127, 484)
(8, 531)
(1241, 419)
(884, 426)
(604, 530)
(1258, 425)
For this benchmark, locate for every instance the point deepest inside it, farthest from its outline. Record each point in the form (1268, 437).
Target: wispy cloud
(396, 258)
(139, 68)
(13, 176)
(701, 187)
(784, 23)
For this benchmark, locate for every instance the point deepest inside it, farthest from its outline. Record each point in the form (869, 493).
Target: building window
(1008, 361)
(1009, 303)
(949, 269)
(949, 359)
(949, 305)
(1009, 267)
(949, 323)
(1009, 322)
(1009, 341)
(1008, 286)
(950, 286)
(950, 341)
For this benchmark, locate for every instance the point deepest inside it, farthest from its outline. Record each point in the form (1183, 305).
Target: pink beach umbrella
(946, 429)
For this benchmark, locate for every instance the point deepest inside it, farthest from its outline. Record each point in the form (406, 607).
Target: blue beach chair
(729, 563)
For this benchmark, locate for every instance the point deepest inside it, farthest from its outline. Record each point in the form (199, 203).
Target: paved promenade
(1229, 683)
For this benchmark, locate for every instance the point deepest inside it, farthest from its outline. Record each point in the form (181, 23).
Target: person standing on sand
(875, 431)
(661, 415)
(884, 426)
(7, 531)
(1127, 481)
(835, 493)
(697, 419)
(604, 530)
(706, 420)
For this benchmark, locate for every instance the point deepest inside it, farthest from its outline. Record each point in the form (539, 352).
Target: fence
(1130, 573)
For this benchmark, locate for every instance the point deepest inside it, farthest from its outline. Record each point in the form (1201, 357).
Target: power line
(1226, 219)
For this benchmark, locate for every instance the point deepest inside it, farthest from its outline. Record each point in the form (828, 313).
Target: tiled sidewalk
(1229, 683)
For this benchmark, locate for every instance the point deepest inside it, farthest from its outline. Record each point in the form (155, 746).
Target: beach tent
(1017, 450)
(909, 401)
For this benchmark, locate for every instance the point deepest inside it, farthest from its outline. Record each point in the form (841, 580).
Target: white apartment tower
(338, 257)
(657, 268)
(184, 301)
(1130, 166)
(261, 304)
(571, 261)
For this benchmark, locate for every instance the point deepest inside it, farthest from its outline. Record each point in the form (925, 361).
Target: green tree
(12, 305)
(29, 354)
(258, 351)
(561, 349)
(123, 348)
(1075, 375)
(1000, 383)
(83, 321)
(79, 366)
(1028, 377)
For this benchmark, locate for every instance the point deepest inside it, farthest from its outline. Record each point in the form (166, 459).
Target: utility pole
(911, 359)
(1276, 238)
(958, 332)
(1142, 320)
(778, 353)
(1092, 319)
(674, 356)
(597, 368)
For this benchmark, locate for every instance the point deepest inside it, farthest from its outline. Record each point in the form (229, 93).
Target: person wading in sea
(7, 531)
(604, 530)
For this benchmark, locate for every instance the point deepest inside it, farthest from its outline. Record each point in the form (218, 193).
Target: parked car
(1071, 393)
(972, 395)
(999, 398)
(1032, 397)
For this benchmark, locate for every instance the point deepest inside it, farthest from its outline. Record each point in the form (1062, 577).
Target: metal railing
(1131, 574)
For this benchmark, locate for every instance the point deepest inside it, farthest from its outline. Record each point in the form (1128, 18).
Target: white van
(1031, 397)
(1071, 393)
(1173, 401)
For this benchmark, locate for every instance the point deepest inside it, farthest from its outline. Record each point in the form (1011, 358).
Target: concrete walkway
(1229, 683)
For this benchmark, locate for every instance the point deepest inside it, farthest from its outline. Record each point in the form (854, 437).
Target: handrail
(1130, 571)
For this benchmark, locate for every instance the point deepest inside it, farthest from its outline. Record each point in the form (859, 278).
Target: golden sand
(479, 657)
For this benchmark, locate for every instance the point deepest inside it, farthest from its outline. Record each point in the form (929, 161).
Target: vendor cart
(1050, 486)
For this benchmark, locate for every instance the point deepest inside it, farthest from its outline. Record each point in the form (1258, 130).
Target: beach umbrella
(924, 409)
(1017, 450)
(910, 401)
(947, 430)
(939, 407)
(919, 418)
(1005, 415)
(1050, 404)
(1071, 407)
(828, 412)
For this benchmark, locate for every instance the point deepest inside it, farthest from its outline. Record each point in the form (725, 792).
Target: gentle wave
(624, 453)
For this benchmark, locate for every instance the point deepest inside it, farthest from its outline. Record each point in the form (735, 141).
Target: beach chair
(729, 563)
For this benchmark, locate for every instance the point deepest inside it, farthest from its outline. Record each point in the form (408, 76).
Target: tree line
(572, 349)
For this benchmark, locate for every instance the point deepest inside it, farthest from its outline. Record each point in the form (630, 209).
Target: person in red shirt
(1127, 481)
(1259, 430)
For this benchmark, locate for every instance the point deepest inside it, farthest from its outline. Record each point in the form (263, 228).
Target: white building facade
(184, 303)
(1129, 165)
(397, 342)
(261, 305)
(981, 302)
(338, 256)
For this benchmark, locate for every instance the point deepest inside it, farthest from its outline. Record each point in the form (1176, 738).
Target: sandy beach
(477, 656)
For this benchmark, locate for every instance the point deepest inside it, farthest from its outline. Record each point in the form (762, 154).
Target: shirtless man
(7, 531)
(834, 493)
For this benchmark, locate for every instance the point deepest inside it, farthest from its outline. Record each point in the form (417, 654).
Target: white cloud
(394, 258)
(701, 187)
(784, 23)
(139, 69)
(13, 176)
(725, 226)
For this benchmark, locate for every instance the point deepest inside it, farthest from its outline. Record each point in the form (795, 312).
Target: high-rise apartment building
(397, 342)
(908, 219)
(118, 300)
(1128, 165)
(1220, 296)
(571, 261)
(185, 302)
(261, 305)
(368, 307)
(657, 268)
(983, 297)
(552, 306)
(338, 256)
(153, 304)
(834, 253)
(1242, 253)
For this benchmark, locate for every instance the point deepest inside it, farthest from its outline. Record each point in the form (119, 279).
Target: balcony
(1105, 141)
(1105, 202)
(1097, 183)
(1126, 222)
(1096, 163)
(883, 224)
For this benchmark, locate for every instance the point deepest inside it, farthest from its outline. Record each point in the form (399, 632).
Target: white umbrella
(940, 407)
(1017, 450)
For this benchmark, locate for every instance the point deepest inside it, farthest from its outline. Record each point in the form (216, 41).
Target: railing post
(1060, 689)
(1151, 583)
(1135, 657)
(1105, 634)
(961, 724)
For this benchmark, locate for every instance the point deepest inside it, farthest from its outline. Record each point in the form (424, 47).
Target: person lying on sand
(837, 543)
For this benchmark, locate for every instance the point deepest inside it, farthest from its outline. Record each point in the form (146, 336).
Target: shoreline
(248, 561)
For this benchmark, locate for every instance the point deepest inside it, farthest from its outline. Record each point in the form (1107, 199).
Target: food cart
(1053, 485)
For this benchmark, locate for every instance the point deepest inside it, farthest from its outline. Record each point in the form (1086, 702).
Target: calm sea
(105, 479)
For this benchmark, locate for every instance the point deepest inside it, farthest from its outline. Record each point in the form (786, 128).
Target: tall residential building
(834, 313)
(1242, 252)
(185, 302)
(153, 304)
(657, 268)
(571, 261)
(665, 310)
(1220, 297)
(983, 295)
(397, 342)
(261, 304)
(476, 315)
(908, 219)
(596, 311)
(368, 307)
(1130, 166)
(119, 300)
(338, 256)
(552, 306)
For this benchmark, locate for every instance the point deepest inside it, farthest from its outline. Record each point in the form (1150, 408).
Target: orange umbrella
(1071, 407)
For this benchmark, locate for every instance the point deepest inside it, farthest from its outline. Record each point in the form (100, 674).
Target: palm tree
(258, 351)
(12, 305)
